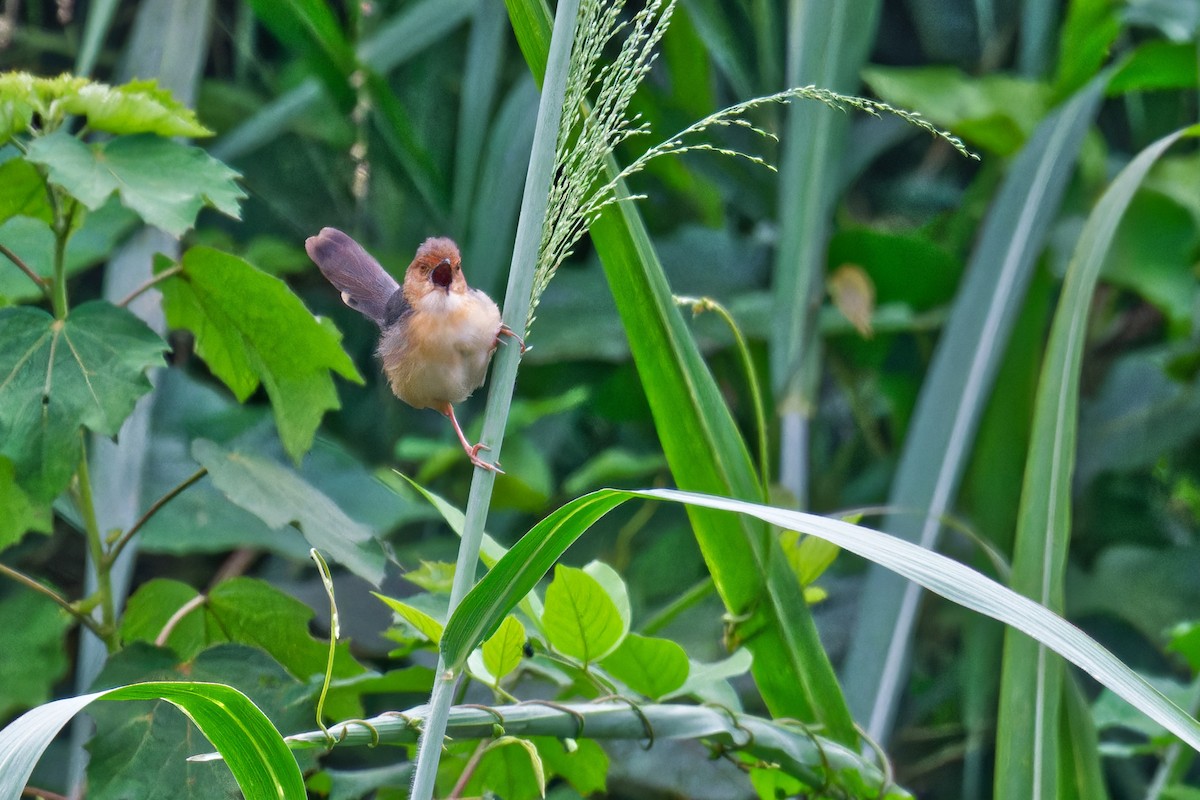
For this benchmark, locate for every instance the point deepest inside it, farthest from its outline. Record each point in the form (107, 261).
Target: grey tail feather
(365, 285)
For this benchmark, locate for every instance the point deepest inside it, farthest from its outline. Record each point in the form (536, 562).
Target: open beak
(442, 274)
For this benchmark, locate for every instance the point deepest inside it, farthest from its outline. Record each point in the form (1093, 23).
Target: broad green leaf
(1028, 726)
(142, 749)
(425, 624)
(21, 514)
(503, 651)
(511, 768)
(580, 619)
(955, 393)
(33, 626)
(710, 682)
(531, 557)
(165, 182)
(154, 604)
(808, 555)
(251, 329)
(651, 667)
(614, 586)
(1185, 640)
(995, 112)
(243, 611)
(260, 761)
(134, 107)
(279, 497)
(1157, 65)
(585, 766)
(59, 375)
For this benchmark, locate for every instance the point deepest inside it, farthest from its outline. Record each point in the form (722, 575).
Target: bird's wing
(364, 284)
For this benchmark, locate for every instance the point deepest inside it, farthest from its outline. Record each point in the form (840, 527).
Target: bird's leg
(507, 331)
(472, 449)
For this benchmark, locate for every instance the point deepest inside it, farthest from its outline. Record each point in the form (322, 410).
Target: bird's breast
(439, 353)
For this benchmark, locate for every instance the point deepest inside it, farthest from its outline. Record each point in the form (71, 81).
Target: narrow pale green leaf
(260, 761)
(955, 393)
(399, 39)
(580, 619)
(652, 667)
(426, 625)
(59, 375)
(502, 652)
(496, 594)
(1028, 727)
(165, 182)
(279, 497)
(251, 328)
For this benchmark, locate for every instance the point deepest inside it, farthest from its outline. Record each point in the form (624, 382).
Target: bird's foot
(473, 454)
(507, 331)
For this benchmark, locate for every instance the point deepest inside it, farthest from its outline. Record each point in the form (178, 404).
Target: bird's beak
(442, 274)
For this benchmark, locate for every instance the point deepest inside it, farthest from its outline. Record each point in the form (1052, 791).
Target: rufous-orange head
(437, 266)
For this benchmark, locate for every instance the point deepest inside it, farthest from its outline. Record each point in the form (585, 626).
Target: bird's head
(437, 267)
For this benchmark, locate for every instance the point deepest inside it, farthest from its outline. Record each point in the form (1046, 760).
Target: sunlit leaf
(425, 624)
(580, 619)
(512, 769)
(502, 652)
(652, 667)
(134, 107)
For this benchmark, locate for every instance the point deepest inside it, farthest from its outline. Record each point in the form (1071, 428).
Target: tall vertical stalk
(504, 375)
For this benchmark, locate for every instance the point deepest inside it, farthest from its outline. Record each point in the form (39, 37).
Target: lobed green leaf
(250, 329)
(165, 182)
(57, 376)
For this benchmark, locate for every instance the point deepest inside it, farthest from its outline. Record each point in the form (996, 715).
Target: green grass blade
(482, 71)
(1031, 685)
(517, 299)
(262, 764)
(706, 453)
(529, 559)
(99, 20)
(398, 40)
(827, 44)
(954, 395)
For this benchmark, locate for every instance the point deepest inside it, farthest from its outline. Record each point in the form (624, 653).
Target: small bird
(437, 333)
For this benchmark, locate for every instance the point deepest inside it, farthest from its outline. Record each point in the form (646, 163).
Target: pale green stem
(702, 304)
(95, 542)
(504, 375)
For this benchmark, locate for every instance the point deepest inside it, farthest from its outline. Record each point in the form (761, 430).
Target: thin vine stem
(83, 618)
(702, 304)
(95, 542)
(33, 276)
(115, 551)
(150, 283)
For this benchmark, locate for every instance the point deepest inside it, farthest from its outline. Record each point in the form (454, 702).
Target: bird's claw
(473, 453)
(507, 331)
